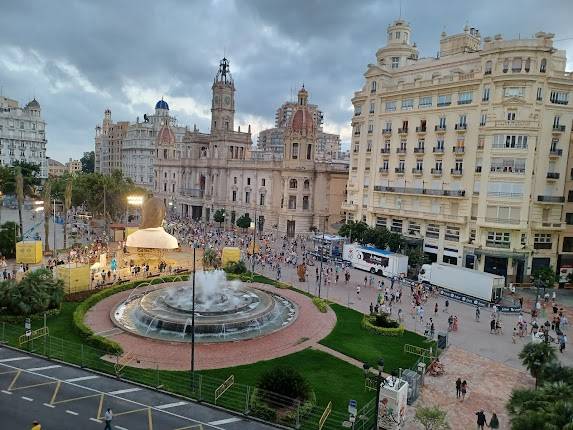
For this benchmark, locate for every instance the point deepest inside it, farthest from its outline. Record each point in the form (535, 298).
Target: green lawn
(351, 339)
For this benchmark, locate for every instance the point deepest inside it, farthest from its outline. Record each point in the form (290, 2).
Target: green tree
(219, 216)
(535, 356)
(545, 275)
(37, 292)
(8, 233)
(432, 418)
(416, 257)
(30, 174)
(211, 258)
(67, 205)
(88, 162)
(244, 221)
(353, 230)
(20, 198)
(47, 197)
(286, 381)
(395, 242)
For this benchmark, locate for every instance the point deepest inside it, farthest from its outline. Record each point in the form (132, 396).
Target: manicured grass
(331, 379)
(348, 337)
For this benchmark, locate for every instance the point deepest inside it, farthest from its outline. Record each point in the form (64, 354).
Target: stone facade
(22, 134)
(465, 153)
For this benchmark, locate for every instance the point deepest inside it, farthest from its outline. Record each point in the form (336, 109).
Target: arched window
(293, 183)
(487, 70)
(306, 184)
(543, 66)
(305, 203)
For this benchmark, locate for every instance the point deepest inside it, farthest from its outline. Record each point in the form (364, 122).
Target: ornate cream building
(465, 152)
(291, 191)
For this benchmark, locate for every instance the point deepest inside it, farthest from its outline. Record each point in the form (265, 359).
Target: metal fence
(240, 398)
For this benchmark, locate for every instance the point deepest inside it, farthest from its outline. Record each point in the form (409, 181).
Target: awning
(499, 253)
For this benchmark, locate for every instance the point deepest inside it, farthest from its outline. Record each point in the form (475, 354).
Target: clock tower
(223, 103)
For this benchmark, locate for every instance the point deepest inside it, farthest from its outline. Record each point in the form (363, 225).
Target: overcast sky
(80, 57)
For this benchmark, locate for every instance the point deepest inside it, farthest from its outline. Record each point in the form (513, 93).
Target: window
(444, 100)
(397, 35)
(487, 68)
(401, 165)
(485, 95)
(570, 196)
(309, 151)
(419, 165)
(295, 151)
(543, 66)
(372, 107)
(390, 106)
(373, 87)
(433, 231)
(508, 165)
(516, 65)
(458, 166)
(559, 97)
(380, 221)
(263, 181)
(511, 115)
(369, 146)
(509, 141)
(568, 244)
(505, 189)
(357, 110)
(247, 197)
(403, 144)
(440, 144)
(385, 164)
(370, 128)
(396, 226)
(261, 199)
(425, 101)
(407, 104)
(413, 228)
(514, 92)
(465, 97)
(293, 184)
(292, 202)
(356, 147)
(462, 120)
(452, 233)
(438, 167)
(305, 203)
(472, 235)
(395, 62)
(248, 181)
(539, 94)
(505, 65)
(483, 119)
(235, 180)
(234, 196)
(442, 122)
(497, 239)
(542, 241)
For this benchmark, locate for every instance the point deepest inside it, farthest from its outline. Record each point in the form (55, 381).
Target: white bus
(375, 260)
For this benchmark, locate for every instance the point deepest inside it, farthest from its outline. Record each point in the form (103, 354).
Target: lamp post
(321, 255)
(193, 324)
(379, 382)
(254, 227)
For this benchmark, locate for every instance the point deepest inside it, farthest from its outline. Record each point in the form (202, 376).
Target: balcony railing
(461, 127)
(551, 199)
(192, 192)
(440, 128)
(502, 220)
(420, 129)
(478, 169)
(558, 128)
(387, 131)
(428, 191)
(438, 150)
(437, 172)
(418, 150)
(494, 244)
(399, 170)
(464, 102)
(403, 130)
(383, 170)
(400, 150)
(542, 245)
(555, 152)
(553, 175)
(385, 151)
(417, 171)
(458, 149)
(442, 104)
(456, 172)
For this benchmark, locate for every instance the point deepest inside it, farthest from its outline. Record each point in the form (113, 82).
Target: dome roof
(302, 122)
(162, 104)
(33, 104)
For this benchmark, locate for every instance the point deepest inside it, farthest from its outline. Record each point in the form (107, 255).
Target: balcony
(461, 127)
(480, 147)
(383, 170)
(399, 171)
(426, 191)
(443, 104)
(437, 172)
(400, 150)
(558, 128)
(440, 128)
(458, 149)
(438, 150)
(542, 245)
(192, 192)
(417, 172)
(495, 244)
(502, 221)
(387, 131)
(403, 130)
(464, 102)
(456, 172)
(555, 152)
(551, 199)
(419, 150)
(357, 133)
(553, 175)
(478, 169)
(503, 123)
(385, 151)
(348, 206)
(420, 129)
(548, 225)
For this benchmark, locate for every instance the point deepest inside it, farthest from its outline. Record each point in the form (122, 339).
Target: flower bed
(368, 323)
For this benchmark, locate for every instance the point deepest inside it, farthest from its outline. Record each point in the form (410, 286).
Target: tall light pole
(254, 226)
(193, 324)
(321, 255)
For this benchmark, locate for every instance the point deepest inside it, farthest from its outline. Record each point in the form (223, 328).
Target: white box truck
(375, 260)
(463, 284)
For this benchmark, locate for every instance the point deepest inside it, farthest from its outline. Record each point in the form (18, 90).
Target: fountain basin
(231, 311)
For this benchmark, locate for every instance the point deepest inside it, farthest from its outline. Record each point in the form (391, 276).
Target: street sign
(28, 333)
(28, 324)
(352, 407)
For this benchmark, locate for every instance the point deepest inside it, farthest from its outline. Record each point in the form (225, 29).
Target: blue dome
(162, 104)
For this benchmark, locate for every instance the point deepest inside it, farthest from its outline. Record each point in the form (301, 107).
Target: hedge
(321, 304)
(14, 319)
(87, 334)
(384, 331)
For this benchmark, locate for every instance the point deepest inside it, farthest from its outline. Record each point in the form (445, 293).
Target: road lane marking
(120, 427)
(58, 385)
(227, 421)
(37, 369)
(95, 420)
(82, 378)
(27, 398)
(16, 376)
(192, 427)
(74, 413)
(117, 414)
(48, 405)
(170, 405)
(149, 419)
(74, 399)
(127, 390)
(6, 360)
(6, 392)
(41, 384)
(173, 414)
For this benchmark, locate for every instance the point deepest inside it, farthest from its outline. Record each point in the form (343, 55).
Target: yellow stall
(76, 277)
(230, 255)
(29, 252)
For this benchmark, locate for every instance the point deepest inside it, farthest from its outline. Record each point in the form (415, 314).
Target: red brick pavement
(310, 326)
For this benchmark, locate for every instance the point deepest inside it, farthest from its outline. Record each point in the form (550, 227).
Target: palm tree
(20, 197)
(67, 204)
(535, 356)
(210, 257)
(47, 212)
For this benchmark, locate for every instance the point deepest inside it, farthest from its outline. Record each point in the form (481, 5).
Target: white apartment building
(465, 152)
(22, 134)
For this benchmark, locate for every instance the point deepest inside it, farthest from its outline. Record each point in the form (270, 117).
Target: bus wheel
(372, 270)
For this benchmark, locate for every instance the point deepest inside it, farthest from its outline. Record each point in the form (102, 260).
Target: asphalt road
(65, 397)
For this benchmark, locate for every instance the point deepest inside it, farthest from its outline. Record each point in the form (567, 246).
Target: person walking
(464, 389)
(458, 388)
(481, 419)
(447, 306)
(358, 292)
(436, 310)
(36, 425)
(108, 416)
(494, 421)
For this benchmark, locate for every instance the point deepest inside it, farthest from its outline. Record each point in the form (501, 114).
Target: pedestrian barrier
(224, 387)
(325, 415)
(32, 335)
(419, 351)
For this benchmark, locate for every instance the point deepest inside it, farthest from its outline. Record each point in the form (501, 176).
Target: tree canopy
(38, 291)
(244, 221)
(30, 175)
(88, 162)
(379, 237)
(219, 216)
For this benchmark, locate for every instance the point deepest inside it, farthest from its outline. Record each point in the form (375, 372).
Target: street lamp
(379, 383)
(254, 227)
(193, 323)
(321, 255)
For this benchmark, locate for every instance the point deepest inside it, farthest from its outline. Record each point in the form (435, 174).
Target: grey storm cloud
(79, 57)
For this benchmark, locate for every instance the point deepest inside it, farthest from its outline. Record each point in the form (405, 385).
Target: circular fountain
(224, 311)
